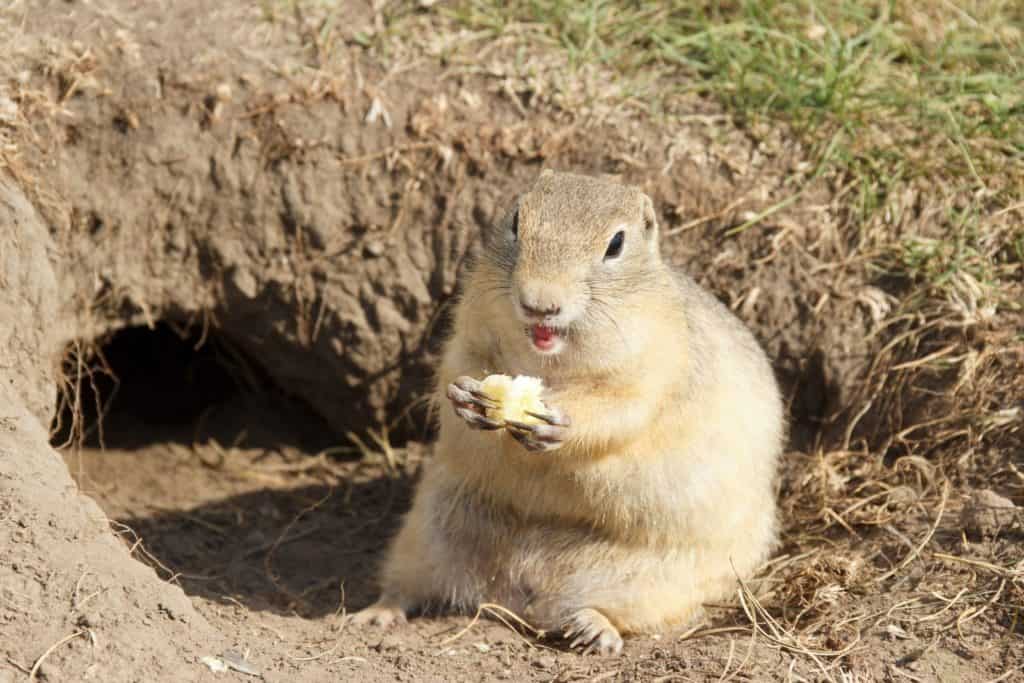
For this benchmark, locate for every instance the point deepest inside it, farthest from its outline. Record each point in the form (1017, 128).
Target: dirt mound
(258, 197)
(63, 574)
(28, 303)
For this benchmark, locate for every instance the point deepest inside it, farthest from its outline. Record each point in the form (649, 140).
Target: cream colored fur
(662, 489)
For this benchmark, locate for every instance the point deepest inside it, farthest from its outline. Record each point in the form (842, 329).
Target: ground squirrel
(647, 487)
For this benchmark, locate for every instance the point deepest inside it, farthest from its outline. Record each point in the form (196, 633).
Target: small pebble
(545, 662)
(987, 513)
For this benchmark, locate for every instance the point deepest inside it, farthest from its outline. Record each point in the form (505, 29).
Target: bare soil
(209, 244)
(274, 542)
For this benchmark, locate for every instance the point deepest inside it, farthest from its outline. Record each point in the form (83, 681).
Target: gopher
(645, 487)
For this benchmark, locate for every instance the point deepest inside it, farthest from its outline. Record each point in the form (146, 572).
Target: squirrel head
(574, 250)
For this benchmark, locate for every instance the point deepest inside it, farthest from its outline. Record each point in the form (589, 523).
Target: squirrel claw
(556, 419)
(471, 404)
(533, 437)
(591, 632)
(475, 419)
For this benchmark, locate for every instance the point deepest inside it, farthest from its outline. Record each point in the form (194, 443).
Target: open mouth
(544, 338)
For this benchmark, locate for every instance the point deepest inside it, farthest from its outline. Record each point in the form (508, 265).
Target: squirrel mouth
(545, 338)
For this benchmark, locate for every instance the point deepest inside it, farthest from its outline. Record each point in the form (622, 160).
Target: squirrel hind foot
(382, 614)
(591, 632)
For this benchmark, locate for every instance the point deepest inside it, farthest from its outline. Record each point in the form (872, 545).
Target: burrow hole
(220, 480)
(144, 385)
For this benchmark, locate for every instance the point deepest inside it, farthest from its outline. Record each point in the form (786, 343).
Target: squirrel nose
(553, 309)
(541, 296)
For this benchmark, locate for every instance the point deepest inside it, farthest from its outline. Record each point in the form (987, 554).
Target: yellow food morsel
(515, 396)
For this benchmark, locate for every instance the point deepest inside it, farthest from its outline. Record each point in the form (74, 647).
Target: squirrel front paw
(546, 436)
(471, 403)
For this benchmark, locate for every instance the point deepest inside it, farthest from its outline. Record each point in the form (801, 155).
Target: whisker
(603, 309)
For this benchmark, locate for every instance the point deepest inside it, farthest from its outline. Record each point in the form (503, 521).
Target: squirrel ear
(650, 217)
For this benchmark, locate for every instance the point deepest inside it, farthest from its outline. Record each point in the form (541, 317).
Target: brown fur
(661, 487)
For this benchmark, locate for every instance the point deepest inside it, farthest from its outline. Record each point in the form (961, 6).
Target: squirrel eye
(615, 246)
(515, 224)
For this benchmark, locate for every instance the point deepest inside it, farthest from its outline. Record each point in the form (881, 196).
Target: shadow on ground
(201, 458)
(311, 551)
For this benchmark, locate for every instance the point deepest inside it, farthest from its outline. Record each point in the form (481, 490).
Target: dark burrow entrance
(221, 481)
(169, 383)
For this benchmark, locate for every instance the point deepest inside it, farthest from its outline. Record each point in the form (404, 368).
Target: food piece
(515, 396)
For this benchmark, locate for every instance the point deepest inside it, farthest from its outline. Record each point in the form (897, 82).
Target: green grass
(949, 83)
(884, 94)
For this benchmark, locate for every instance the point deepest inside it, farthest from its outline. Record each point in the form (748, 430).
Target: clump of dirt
(987, 514)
